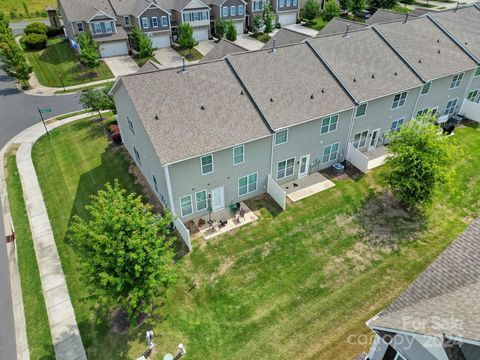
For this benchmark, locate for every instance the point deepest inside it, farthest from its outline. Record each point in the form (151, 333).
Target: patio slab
(301, 188)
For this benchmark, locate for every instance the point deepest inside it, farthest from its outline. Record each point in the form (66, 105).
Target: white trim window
(108, 27)
(258, 5)
(137, 156)
(361, 110)
(186, 207)
(330, 152)
(282, 3)
(240, 10)
(247, 184)
(421, 112)
(201, 200)
(281, 137)
(450, 108)
(360, 139)
(426, 88)
(329, 124)
(233, 10)
(472, 95)
(130, 126)
(154, 22)
(80, 27)
(289, 3)
(97, 28)
(477, 72)
(206, 163)
(144, 23)
(397, 124)
(456, 81)
(285, 168)
(164, 21)
(225, 11)
(399, 100)
(155, 183)
(295, 2)
(238, 155)
(126, 20)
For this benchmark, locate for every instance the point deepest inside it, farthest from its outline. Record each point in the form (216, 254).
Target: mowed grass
(38, 329)
(33, 6)
(58, 58)
(296, 284)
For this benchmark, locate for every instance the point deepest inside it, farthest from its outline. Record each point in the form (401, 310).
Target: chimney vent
(347, 30)
(241, 92)
(274, 47)
(156, 116)
(354, 80)
(396, 74)
(406, 18)
(311, 97)
(202, 107)
(183, 63)
(271, 99)
(323, 90)
(373, 76)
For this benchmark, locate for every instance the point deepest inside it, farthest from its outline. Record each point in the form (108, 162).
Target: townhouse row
(110, 21)
(217, 132)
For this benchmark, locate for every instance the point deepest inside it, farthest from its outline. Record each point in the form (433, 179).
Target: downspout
(169, 189)
(349, 136)
(416, 102)
(271, 156)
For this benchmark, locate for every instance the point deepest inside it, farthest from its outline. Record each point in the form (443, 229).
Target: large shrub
(230, 30)
(54, 31)
(36, 28)
(34, 41)
(311, 10)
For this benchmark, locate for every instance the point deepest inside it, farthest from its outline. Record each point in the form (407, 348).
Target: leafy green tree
(382, 4)
(127, 251)
(36, 28)
(25, 8)
(219, 28)
(145, 46)
(97, 100)
(421, 162)
(185, 37)
(230, 30)
(257, 23)
(88, 50)
(331, 10)
(311, 9)
(345, 4)
(268, 18)
(13, 60)
(357, 5)
(4, 24)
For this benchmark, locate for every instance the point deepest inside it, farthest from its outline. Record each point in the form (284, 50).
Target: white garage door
(200, 34)
(239, 26)
(287, 19)
(113, 49)
(160, 41)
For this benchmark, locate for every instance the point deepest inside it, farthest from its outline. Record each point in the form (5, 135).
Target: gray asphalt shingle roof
(432, 53)
(337, 25)
(283, 82)
(383, 15)
(185, 129)
(84, 10)
(285, 37)
(448, 288)
(367, 66)
(464, 25)
(222, 48)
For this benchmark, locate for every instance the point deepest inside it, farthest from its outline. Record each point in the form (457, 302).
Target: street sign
(44, 111)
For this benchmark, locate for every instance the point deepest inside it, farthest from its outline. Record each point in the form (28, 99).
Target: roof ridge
(349, 21)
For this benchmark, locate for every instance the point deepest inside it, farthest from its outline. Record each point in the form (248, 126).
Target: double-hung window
(240, 10)
(233, 10)
(145, 23)
(137, 156)
(456, 81)
(282, 3)
(361, 110)
(238, 154)
(360, 139)
(207, 164)
(108, 27)
(80, 27)
(472, 95)
(130, 126)
(330, 153)
(126, 20)
(164, 21)
(97, 27)
(247, 184)
(154, 22)
(329, 124)
(421, 112)
(399, 100)
(396, 124)
(285, 168)
(225, 11)
(201, 200)
(281, 137)
(186, 205)
(289, 2)
(426, 88)
(449, 110)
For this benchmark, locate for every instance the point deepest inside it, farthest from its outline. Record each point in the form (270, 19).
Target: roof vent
(202, 107)
(373, 76)
(271, 99)
(466, 42)
(312, 97)
(354, 80)
(242, 93)
(438, 51)
(396, 74)
(419, 61)
(274, 47)
(347, 30)
(406, 18)
(323, 90)
(183, 64)
(438, 40)
(156, 116)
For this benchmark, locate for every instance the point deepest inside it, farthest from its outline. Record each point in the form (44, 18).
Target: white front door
(217, 199)
(374, 139)
(304, 165)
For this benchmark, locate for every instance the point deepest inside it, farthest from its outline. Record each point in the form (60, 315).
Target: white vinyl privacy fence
(471, 110)
(184, 233)
(356, 158)
(277, 193)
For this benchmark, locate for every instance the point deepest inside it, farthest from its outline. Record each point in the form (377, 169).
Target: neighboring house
(221, 49)
(288, 113)
(285, 37)
(436, 317)
(235, 10)
(383, 15)
(254, 8)
(287, 11)
(194, 12)
(338, 25)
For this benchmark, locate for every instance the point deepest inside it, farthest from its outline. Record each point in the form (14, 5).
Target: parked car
(364, 14)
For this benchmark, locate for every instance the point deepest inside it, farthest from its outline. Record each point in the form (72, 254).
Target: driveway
(204, 47)
(121, 65)
(302, 29)
(248, 42)
(168, 57)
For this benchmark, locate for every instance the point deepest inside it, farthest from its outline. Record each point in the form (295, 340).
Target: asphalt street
(18, 112)
(18, 26)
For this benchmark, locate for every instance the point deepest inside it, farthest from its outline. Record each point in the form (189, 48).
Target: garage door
(239, 26)
(200, 34)
(287, 19)
(160, 41)
(113, 49)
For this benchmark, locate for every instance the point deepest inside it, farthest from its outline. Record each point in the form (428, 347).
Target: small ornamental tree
(311, 9)
(421, 162)
(357, 5)
(268, 18)
(382, 4)
(257, 23)
(4, 24)
(219, 28)
(36, 28)
(97, 100)
(88, 50)
(185, 37)
(141, 42)
(230, 30)
(13, 60)
(127, 256)
(331, 10)
(34, 41)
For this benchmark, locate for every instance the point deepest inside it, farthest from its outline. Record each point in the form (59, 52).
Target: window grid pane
(186, 205)
(201, 200)
(281, 137)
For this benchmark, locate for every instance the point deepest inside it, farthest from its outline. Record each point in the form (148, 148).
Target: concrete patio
(233, 222)
(309, 185)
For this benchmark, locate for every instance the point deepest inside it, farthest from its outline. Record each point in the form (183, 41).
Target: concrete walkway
(40, 90)
(63, 325)
(299, 28)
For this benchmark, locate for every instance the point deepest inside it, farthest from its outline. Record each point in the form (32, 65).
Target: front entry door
(374, 139)
(304, 165)
(217, 199)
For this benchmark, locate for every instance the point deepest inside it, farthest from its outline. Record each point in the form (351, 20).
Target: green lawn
(58, 58)
(318, 23)
(84, 88)
(141, 61)
(190, 55)
(261, 37)
(38, 329)
(35, 8)
(295, 284)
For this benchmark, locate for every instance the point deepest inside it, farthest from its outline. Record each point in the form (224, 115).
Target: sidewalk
(40, 90)
(63, 326)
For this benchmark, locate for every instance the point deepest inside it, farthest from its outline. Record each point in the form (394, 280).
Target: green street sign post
(41, 112)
